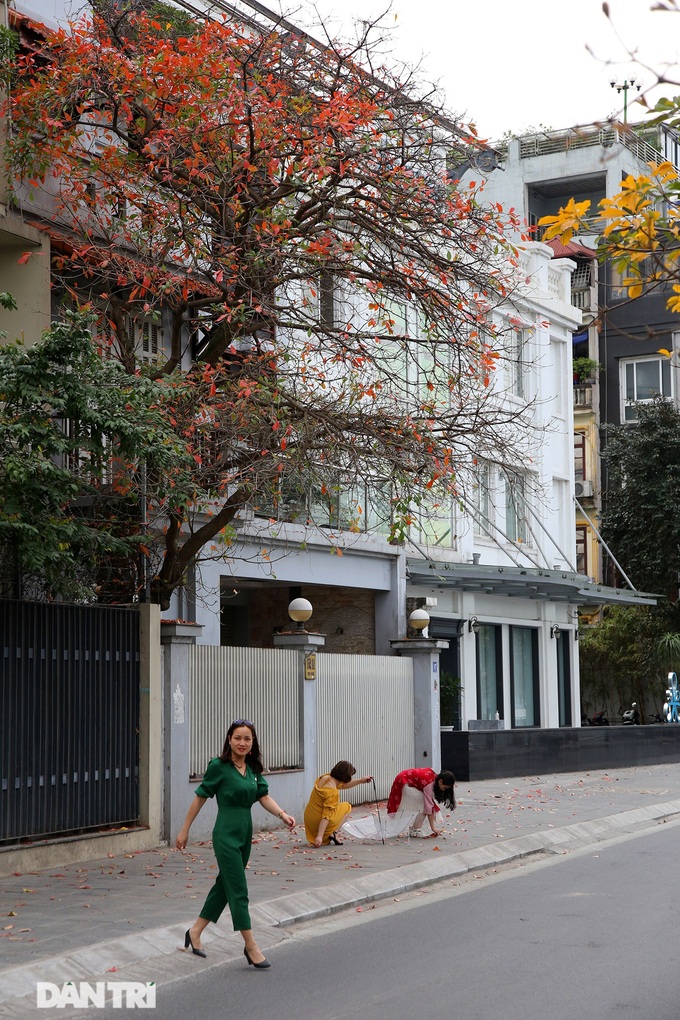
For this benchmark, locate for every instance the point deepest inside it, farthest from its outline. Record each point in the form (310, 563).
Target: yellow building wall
(28, 280)
(585, 424)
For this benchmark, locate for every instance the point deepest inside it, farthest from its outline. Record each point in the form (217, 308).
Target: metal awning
(523, 582)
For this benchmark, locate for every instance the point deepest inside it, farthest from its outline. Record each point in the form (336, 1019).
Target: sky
(515, 65)
(507, 65)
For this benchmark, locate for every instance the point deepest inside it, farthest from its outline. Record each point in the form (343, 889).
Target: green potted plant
(584, 369)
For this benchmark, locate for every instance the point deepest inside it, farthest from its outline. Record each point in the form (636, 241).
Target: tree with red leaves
(286, 216)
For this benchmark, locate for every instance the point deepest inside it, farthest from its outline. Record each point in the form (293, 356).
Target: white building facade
(495, 570)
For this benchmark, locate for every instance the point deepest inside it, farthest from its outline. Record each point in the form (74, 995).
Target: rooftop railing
(562, 141)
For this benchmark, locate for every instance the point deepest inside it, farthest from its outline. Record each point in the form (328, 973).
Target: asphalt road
(589, 936)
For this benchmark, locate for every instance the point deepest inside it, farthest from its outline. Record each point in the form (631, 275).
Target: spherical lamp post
(419, 620)
(300, 611)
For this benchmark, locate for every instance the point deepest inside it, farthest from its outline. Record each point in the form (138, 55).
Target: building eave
(523, 582)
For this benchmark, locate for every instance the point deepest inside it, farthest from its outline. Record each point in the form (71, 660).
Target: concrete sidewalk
(123, 917)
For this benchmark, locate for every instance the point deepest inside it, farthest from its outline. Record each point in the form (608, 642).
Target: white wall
(52, 13)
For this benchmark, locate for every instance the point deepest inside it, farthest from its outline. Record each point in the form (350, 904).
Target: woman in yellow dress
(325, 812)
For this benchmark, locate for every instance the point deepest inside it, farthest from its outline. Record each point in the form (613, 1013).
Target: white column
(307, 645)
(425, 653)
(176, 641)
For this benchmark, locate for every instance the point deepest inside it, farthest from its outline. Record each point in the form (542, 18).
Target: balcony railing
(583, 395)
(582, 299)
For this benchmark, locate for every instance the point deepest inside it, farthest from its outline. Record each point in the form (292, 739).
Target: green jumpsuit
(231, 837)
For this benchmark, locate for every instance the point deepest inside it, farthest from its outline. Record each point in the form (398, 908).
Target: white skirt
(384, 826)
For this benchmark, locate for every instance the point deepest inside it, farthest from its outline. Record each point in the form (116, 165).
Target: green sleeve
(211, 779)
(262, 786)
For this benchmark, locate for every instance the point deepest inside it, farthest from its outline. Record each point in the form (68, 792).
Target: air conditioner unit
(583, 490)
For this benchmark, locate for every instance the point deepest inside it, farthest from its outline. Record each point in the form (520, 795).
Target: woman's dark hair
(445, 796)
(343, 771)
(254, 757)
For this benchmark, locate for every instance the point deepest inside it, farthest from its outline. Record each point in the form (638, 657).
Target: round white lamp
(419, 619)
(300, 611)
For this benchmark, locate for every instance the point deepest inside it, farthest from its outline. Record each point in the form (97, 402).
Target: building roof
(523, 582)
(571, 250)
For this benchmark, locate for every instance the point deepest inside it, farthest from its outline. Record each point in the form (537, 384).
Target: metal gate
(69, 719)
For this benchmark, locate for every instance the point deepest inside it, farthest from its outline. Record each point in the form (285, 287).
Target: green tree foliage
(81, 443)
(627, 656)
(619, 661)
(641, 516)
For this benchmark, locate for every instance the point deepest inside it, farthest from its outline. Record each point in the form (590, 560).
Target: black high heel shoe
(334, 839)
(260, 966)
(188, 943)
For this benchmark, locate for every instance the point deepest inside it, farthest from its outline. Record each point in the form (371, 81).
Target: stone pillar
(307, 645)
(176, 640)
(150, 721)
(425, 653)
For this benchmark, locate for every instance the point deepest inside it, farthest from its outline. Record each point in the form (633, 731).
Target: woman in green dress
(235, 778)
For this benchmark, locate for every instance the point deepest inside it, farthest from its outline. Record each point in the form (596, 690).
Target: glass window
(482, 498)
(564, 678)
(327, 299)
(558, 358)
(671, 147)
(524, 676)
(314, 300)
(642, 380)
(351, 506)
(582, 549)
(434, 521)
(518, 360)
(378, 506)
(579, 456)
(489, 672)
(515, 507)
(617, 290)
(308, 302)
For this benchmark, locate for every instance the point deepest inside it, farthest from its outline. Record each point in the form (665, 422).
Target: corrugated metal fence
(245, 683)
(365, 715)
(69, 718)
(364, 709)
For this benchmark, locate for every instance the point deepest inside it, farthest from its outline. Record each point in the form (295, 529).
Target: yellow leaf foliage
(568, 220)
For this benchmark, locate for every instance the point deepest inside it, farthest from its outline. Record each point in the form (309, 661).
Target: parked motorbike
(631, 717)
(599, 719)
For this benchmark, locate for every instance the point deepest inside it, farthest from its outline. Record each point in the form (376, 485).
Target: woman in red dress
(433, 788)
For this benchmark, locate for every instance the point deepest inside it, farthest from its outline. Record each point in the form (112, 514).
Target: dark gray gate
(69, 719)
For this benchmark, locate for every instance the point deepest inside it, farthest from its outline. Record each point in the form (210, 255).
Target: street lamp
(419, 619)
(300, 611)
(624, 86)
